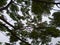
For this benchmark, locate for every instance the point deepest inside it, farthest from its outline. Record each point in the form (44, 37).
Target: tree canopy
(27, 21)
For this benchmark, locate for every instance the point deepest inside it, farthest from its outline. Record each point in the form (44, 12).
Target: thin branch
(3, 8)
(57, 6)
(7, 22)
(13, 34)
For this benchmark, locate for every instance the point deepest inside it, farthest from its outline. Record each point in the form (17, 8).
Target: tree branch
(13, 34)
(3, 8)
(7, 22)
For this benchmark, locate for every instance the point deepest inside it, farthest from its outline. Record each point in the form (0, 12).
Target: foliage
(2, 3)
(28, 24)
(57, 18)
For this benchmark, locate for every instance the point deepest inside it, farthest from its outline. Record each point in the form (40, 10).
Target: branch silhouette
(6, 22)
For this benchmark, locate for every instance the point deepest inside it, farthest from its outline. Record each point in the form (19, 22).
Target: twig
(57, 6)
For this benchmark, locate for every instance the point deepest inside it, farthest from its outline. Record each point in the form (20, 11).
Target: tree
(29, 24)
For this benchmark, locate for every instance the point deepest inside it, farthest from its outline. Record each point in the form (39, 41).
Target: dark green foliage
(24, 33)
(2, 3)
(16, 16)
(0, 42)
(56, 18)
(19, 1)
(12, 15)
(36, 9)
(29, 24)
(23, 43)
(53, 32)
(34, 34)
(13, 8)
(2, 28)
(13, 39)
(39, 7)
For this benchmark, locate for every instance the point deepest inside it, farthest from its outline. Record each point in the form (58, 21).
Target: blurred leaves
(2, 3)
(13, 39)
(29, 24)
(19, 1)
(25, 10)
(34, 34)
(12, 15)
(53, 32)
(14, 8)
(2, 28)
(22, 43)
(56, 19)
(39, 8)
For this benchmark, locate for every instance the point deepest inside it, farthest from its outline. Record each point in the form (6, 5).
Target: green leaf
(24, 33)
(2, 28)
(19, 1)
(39, 8)
(2, 3)
(14, 8)
(53, 32)
(13, 16)
(34, 34)
(36, 8)
(13, 39)
(56, 18)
